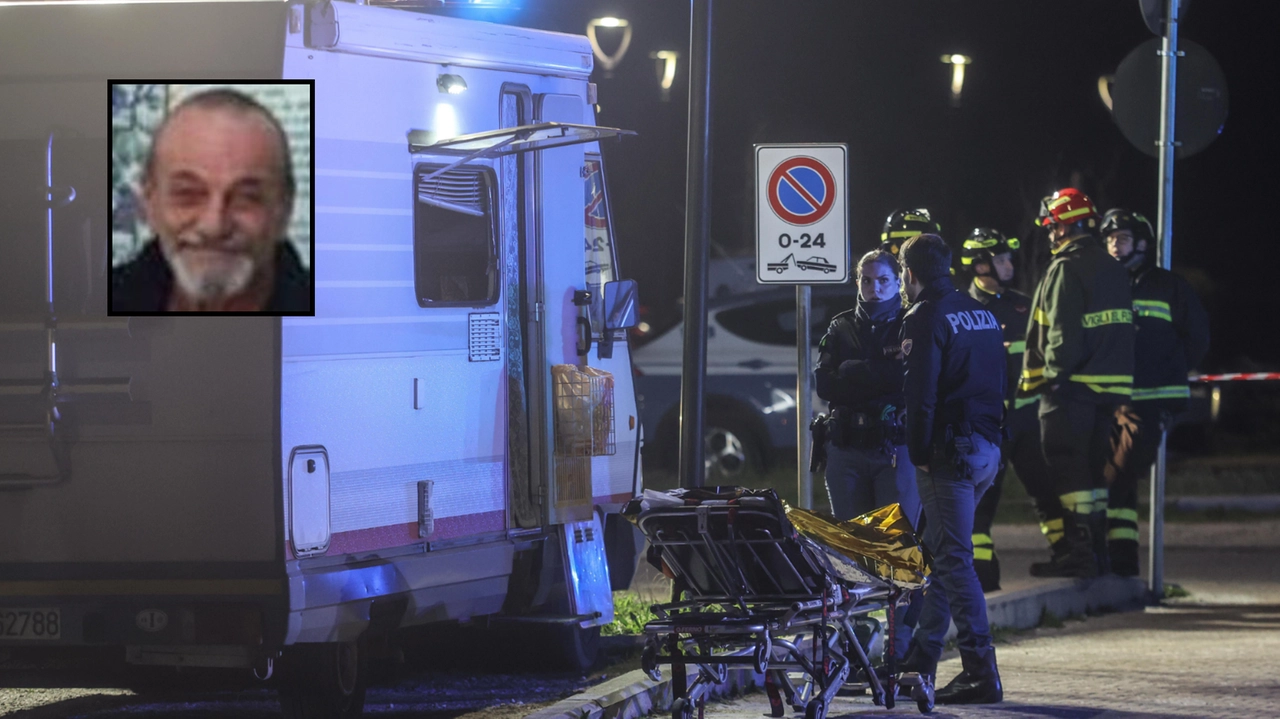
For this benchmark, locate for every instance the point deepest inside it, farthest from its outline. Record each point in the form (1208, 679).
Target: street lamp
(668, 72)
(608, 62)
(957, 63)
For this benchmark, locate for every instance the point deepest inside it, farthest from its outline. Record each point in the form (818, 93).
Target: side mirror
(621, 298)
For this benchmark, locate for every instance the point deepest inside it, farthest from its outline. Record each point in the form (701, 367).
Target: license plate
(22, 623)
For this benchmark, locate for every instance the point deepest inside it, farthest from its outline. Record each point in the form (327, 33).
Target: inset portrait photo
(211, 201)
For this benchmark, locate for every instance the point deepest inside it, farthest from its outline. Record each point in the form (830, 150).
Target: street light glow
(668, 58)
(957, 63)
(608, 62)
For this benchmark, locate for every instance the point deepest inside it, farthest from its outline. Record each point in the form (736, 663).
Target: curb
(634, 694)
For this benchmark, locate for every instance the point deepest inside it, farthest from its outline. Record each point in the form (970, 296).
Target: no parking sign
(802, 214)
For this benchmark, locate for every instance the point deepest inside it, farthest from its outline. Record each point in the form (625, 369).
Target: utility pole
(697, 234)
(1168, 146)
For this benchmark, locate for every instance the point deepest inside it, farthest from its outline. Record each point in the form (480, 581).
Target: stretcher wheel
(815, 709)
(761, 657)
(649, 662)
(923, 694)
(682, 708)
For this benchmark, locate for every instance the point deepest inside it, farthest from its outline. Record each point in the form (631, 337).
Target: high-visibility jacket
(1012, 309)
(1080, 334)
(1172, 337)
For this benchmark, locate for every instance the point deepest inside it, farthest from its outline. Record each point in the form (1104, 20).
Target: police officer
(1172, 336)
(902, 225)
(867, 463)
(989, 255)
(1079, 361)
(954, 387)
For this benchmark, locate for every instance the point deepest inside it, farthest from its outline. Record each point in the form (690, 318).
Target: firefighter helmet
(984, 243)
(1117, 220)
(1120, 219)
(905, 224)
(1068, 206)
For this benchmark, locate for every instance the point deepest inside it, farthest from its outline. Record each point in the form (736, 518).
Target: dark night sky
(869, 74)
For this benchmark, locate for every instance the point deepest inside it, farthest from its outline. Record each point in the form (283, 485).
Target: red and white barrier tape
(1235, 376)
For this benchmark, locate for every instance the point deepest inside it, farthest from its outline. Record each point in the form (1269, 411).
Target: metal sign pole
(804, 398)
(1168, 103)
(697, 233)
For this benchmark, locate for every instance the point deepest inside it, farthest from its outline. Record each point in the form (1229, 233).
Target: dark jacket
(1080, 335)
(955, 368)
(1172, 337)
(1012, 310)
(144, 283)
(853, 370)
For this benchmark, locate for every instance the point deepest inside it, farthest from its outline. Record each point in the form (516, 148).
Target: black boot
(919, 662)
(1073, 555)
(1124, 557)
(979, 683)
(988, 572)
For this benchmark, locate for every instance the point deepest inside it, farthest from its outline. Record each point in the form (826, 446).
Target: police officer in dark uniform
(989, 255)
(955, 390)
(866, 453)
(1171, 337)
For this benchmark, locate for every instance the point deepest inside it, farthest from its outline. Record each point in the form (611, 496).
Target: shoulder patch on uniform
(906, 347)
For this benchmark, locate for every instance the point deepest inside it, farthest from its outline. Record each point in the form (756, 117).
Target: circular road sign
(801, 191)
(1201, 98)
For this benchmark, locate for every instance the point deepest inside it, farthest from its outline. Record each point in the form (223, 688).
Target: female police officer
(867, 465)
(867, 462)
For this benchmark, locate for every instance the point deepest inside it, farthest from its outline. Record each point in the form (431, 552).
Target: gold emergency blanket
(882, 541)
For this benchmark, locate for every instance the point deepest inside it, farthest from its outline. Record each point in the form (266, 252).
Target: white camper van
(449, 437)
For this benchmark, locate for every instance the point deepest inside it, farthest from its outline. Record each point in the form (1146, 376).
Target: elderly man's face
(216, 199)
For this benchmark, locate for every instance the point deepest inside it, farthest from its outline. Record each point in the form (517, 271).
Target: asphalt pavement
(1214, 653)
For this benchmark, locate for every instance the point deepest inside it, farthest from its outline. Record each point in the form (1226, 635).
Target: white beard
(211, 283)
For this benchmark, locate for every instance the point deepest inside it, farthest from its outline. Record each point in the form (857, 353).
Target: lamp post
(697, 234)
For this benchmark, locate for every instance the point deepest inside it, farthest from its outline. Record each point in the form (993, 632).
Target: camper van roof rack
(507, 141)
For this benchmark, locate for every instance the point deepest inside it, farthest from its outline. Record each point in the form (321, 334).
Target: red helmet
(1068, 206)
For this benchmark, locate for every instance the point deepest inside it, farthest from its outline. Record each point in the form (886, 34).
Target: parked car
(750, 381)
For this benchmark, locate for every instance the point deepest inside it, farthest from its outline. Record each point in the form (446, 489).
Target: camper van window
(455, 259)
(600, 267)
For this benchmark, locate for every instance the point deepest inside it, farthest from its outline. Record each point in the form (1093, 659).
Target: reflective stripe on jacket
(1172, 337)
(1080, 333)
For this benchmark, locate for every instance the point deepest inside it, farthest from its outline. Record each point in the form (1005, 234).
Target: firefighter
(1079, 361)
(989, 255)
(954, 387)
(902, 225)
(1172, 336)
(866, 455)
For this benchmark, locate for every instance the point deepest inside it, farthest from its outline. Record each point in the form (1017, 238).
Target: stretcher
(784, 591)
